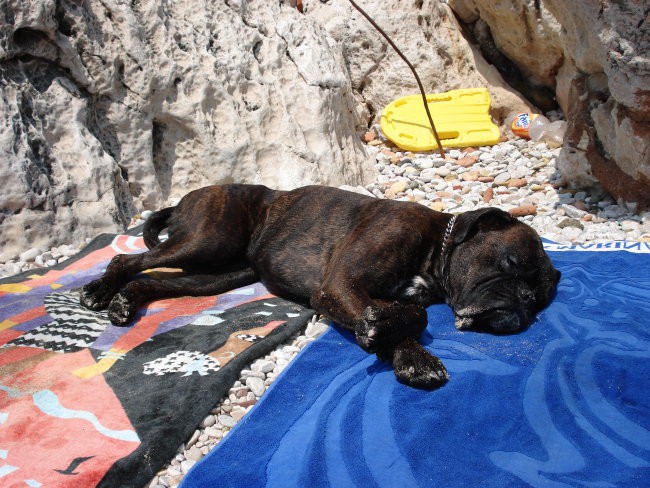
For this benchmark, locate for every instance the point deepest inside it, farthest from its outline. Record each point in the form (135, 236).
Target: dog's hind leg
(179, 251)
(128, 300)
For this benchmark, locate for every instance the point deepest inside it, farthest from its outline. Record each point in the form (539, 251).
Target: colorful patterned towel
(562, 404)
(84, 403)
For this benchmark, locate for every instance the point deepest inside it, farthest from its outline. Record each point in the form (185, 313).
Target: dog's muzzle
(496, 320)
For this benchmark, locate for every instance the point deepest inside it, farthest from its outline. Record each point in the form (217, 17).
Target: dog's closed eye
(515, 265)
(510, 263)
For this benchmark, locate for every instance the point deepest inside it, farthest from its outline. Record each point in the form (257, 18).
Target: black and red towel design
(85, 403)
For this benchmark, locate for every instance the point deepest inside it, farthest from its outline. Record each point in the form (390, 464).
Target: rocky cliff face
(111, 107)
(595, 56)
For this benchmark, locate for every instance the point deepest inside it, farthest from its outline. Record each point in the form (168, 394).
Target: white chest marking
(418, 285)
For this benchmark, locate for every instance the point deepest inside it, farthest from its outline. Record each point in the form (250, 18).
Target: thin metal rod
(417, 78)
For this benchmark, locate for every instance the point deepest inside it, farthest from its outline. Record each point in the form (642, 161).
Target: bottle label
(521, 122)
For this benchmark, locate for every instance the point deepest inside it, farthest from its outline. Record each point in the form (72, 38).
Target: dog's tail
(154, 224)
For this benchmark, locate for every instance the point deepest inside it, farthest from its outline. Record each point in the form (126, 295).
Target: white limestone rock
(110, 108)
(596, 61)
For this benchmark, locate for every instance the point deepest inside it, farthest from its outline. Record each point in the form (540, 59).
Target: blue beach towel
(565, 403)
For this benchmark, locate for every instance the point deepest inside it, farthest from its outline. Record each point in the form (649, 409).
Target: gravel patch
(516, 175)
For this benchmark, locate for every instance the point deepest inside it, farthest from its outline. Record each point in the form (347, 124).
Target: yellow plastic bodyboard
(461, 117)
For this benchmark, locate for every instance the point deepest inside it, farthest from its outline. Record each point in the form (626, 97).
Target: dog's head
(499, 276)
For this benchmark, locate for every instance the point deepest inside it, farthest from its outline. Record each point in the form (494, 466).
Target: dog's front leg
(385, 324)
(376, 324)
(388, 328)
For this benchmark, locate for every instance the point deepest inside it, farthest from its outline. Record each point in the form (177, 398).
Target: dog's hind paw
(122, 309)
(419, 369)
(95, 295)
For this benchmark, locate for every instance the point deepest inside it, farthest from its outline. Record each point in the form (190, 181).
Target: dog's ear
(469, 223)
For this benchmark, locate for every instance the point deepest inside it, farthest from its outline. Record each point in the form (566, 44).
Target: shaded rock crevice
(480, 34)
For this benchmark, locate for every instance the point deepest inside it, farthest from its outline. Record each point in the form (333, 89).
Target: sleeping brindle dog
(370, 265)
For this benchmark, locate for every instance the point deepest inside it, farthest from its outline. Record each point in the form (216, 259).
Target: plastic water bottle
(551, 132)
(537, 127)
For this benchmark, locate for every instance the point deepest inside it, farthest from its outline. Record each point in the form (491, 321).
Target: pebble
(438, 162)
(580, 205)
(470, 176)
(614, 211)
(572, 233)
(467, 161)
(226, 420)
(29, 255)
(237, 415)
(428, 174)
(316, 329)
(570, 223)
(519, 172)
(423, 163)
(209, 421)
(256, 385)
(193, 439)
(501, 178)
(523, 210)
(68, 251)
(517, 183)
(486, 156)
(630, 225)
(263, 366)
(214, 433)
(193, 454)
(187, 465)
(395, 188)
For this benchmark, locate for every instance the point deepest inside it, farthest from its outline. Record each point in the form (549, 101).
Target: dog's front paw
(96, 295)
(122, 309)
(417, 368)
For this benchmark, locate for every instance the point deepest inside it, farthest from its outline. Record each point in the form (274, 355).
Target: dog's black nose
(504, 322)
(526, 296)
